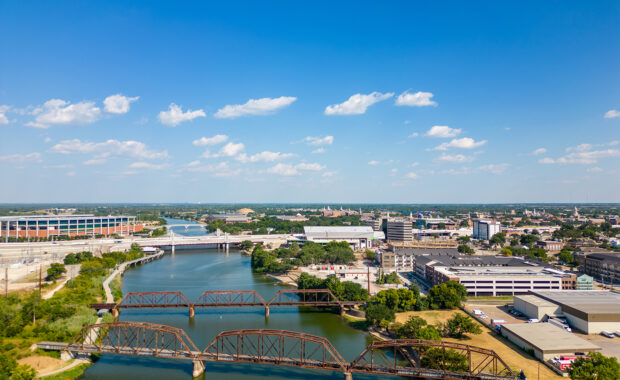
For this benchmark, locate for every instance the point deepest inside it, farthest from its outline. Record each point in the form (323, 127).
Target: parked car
(608, 334)
(533, 320)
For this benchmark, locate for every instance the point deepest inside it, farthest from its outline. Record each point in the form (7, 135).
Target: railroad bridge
(401, 357)
(227, 298)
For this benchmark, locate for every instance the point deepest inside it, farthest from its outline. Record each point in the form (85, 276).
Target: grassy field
(514, 357)
(71, 374)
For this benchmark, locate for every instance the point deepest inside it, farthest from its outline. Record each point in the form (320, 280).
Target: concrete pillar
(348, 376)
(342, 311)
(191, 312)
(66, 356)
(115, 313)
(199, 368)
(266, 311)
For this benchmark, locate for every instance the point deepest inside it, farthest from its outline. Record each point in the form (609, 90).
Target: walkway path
(72, 271)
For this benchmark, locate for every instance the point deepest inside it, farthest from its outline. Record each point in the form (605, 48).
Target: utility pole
(368, 278)
(6, 282)
(40, 278)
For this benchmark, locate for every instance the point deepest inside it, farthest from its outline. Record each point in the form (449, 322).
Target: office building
(485, 229)
(404, 258)
(399, 230)
(584, 282)
(45, 226)
(359, 237)
(602, 266)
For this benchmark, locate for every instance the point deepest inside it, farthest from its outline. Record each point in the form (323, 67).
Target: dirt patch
(42, 363)
(513, 356)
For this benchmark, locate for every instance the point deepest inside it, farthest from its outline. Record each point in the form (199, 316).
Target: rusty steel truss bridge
(401, 357)
(226, 298)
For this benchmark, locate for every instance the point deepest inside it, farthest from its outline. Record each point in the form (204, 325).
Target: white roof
(338, 232)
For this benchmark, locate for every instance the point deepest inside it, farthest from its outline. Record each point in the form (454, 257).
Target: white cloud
(288, 170)
(208, 141)
(263, 157)
(412, 175)
(373, 163)
(194, 163)
(539, 151)
(612, 114)
(148, 166)
(283, 170)
(546, 160)
(319, 150)
(582, 157)
(47, 139)
(263, 106)
(175, 115)
(414, 164)
(118, 104)
(17, 158)
(418, 99)
(318, 141)
(95, 161)
(462, 143)
(3, 118)
(329, 174)
(594, 169)
(455, 158)
(70, 174)
(442, 131)
(58, 111)
(494, 168)
(357, 104)
(231, 149)
(580, 148)
(414, 134)
(109, 148)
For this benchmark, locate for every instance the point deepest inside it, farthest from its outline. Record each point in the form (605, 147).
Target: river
(195, 271)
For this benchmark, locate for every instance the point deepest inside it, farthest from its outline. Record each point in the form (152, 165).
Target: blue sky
(403, 102)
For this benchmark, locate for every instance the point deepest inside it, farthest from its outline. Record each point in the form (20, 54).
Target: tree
(436, 358)
(377, 313)
(55, 271)
(506, 252)
(567, 257)
(246, 245)
(23, 372)
(464, 248)
(499, 239)
(370, 255)
(595, 367)
(416, 328)
(459, 325)
(529, 240)
(463, 239)
(464, 223)
(448, 295)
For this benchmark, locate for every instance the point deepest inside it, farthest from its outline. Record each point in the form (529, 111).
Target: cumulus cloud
(357, 104)
(612, 114)
(319, 150)
(494, 168)
(58, 111)
(3, 111)
(263, 106)
(148, 166)
(175, 115)
(455, 158)
(95, 161)
(108, 149)
(462, 143)
(373, 163)
(318, 141)
(412, 175)
(539, 151)
(118, 104)
(21, 158)
(414, 134)
(265, 156)
(288, 170)
(329, 174)
(418, 99)
(594, 169)
(208, 141)
(231, 149)
(582, 157)
(442, 131)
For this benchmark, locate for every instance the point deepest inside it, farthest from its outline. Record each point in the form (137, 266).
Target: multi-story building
(550, 245)
(45, 226)
(584, 282)
(230, 218)
(357, 237)
(485, 229)
(399, 230)
(375, 224)
(404, 258)
(602, 266)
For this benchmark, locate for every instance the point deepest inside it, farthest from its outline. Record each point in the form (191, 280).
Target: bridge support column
(199, 368)
(342, 311)
(348, 376)
(191, 312)
(115, 313)
(266, 311)
(66, 356)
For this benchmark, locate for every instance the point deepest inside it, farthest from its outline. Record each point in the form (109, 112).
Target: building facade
(602, 266)
(358, 237)
(45, 226)
(485, 229)
(399, 230)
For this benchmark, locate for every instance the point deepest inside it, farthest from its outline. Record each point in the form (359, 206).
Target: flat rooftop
(585, 302)
(540, 302)
(549, 338)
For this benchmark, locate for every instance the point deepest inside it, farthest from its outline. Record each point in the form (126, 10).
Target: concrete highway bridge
(427, 359)
(227, 298)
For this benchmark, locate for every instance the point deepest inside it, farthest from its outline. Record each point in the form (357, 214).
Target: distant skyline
(310, 102)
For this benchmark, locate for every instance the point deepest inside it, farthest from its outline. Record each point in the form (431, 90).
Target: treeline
(344, 291)
(587, 230)
(283, 259)
(275, 225)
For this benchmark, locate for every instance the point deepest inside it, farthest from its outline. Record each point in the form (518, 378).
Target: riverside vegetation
(26, 318)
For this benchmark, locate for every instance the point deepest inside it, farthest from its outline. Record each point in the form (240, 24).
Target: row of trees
(270, 223)
(344, 291)
(283, 259)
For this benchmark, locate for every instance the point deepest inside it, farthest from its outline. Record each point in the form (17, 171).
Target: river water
(195, 271)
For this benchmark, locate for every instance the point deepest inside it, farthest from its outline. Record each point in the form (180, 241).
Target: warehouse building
(359, 237)
(45, 226)
(546, 340)
(590, 311)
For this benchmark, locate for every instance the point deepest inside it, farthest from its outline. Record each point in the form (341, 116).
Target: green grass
(70, 374)
(115, 287)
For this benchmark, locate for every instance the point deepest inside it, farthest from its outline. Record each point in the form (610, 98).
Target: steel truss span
(400, 357)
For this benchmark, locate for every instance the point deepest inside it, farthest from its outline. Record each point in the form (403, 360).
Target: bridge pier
(266, 311)
(66, 356)
(191, 312)
(199, 368)
(115, 313)
(348, 376)
(342, 311)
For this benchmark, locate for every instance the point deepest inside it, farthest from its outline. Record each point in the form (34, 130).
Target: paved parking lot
(610, 346)
(495, 312)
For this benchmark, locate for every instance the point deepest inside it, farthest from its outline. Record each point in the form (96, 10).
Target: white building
(485, 229)
(359, 237)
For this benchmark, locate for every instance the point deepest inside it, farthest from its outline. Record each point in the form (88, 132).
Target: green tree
(459, 325)
(23, 372)
(464, 248)
(377, 314)
(454, 361)
(448, 295)
(464, 223)
(55, 271)
(567, 257)
(595, 367)
(246, 245)
(499, 239)
(463, 239)
(370, 255)
(529, 240)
